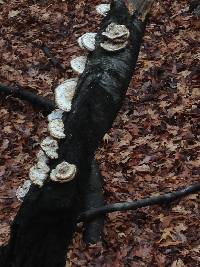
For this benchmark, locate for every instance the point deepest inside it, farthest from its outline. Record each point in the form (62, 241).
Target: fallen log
(45, 223)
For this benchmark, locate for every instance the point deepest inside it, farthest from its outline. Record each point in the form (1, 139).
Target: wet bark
(93, 198)
(46, 221)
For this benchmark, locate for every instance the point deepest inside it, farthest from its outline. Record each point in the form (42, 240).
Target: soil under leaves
(153, 147)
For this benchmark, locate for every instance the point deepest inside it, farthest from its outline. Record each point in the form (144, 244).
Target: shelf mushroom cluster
(116, 37)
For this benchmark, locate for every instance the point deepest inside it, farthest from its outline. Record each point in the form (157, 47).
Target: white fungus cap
(56, 114)
(56, 129)
(78, 64)
(42, 161)
(37, 175)
(64, 94)
(103, 9)
(50, 147)
(108, 46)
(63, 173)
(23, 190)
(116, 31)
(87, 41)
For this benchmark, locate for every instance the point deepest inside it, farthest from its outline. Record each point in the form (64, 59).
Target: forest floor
(153, 147)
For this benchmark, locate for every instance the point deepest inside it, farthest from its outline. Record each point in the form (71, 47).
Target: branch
(32, 98)
(52, 58)
(93, 198)
(124, 206)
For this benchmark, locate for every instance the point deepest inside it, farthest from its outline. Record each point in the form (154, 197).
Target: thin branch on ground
(32, 98)
(52, 58)
(124, 206)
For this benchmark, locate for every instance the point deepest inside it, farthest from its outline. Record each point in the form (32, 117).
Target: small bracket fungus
(56, 129)
(113, 47)
(37, 175)
(56, 114)
(64, 94)
(63, 173)
(78, 64)
(42, 161)
(116, 37)
(23, 190)
(103, 9)
(50, 146)
(116, 32)
(87, 41)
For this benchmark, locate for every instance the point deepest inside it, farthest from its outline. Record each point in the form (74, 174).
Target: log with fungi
(46, 221)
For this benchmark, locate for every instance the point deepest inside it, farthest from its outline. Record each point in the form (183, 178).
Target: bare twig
(23, 94)
(124, 206)
(52, 58)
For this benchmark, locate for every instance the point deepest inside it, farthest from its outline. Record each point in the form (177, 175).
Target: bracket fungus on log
(39, 172)
(42, 161)
(50, 147)
(64, 94)
(116, 37)
(103, 9)
(56, 129)
(56, 114)
(87, 41)
(78, 64)
(113, 47)
(63, 173)
(23, 190)
(37, 175)
(116, 32)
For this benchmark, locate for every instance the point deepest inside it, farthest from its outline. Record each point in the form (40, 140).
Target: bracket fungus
(116, 32)
(37, 175)
(116, 37)
(87, 41)
(63, 173)
(64, 94)
(42, 161)
(78, 64)
(56, 114)
(56, 129)
(103, 9)
(23, 190)
(113, 47)
(50, 146)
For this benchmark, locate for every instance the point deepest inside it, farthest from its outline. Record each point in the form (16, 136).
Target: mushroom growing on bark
(37, 175)
(63, 173)
(78, 64)
(64, 94)
(87, 41)
(56, 129)
(103, 9)
(23, 190)
(50, 146)
(42, 161)
(116, 37)
(56, 114)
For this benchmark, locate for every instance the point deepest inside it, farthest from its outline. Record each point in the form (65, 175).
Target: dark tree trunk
(93, 198)
(45, 223)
